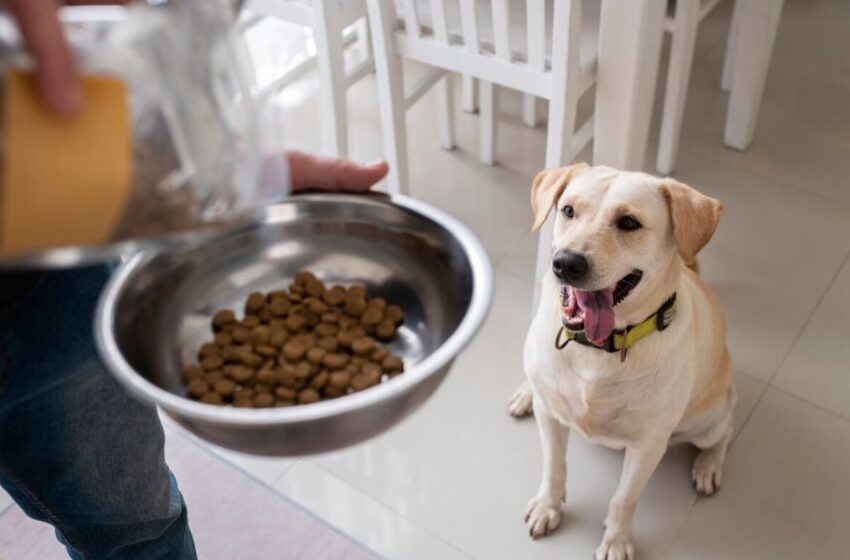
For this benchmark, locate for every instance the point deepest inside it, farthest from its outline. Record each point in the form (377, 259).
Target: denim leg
(75, 450)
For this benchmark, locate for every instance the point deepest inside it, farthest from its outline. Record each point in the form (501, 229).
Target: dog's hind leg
(521, 403)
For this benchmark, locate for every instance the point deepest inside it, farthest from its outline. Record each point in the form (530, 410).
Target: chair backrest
(449, 34)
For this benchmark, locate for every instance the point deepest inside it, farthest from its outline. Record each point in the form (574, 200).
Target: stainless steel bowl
(156, 310)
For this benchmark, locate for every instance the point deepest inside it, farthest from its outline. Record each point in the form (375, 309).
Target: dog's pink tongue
(598, 308)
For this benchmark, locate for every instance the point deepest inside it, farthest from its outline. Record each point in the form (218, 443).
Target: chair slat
(438, 16)
(501, 29)
(469, 24)
(536, 33)
(411, 18)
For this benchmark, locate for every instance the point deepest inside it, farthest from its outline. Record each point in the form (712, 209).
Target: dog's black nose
(569, 266)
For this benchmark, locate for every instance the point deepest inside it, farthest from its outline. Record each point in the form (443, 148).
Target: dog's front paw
(616, 546)
(521, 401)
(542, 516)
(708, 472)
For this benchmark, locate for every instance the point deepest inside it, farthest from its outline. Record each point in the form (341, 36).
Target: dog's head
(618, 236)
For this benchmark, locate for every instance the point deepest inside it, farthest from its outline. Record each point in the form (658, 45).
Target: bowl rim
(479, 305)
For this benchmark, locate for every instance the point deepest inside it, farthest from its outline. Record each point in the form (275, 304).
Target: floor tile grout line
(837, 415)
(769, 383)
(388, 507)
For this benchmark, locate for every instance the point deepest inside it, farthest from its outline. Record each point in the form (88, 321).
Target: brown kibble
(293, 351)
(329, 343)
(241, 374)
(285, 375)
(303, 370)
(260, 335)
(392, 364)
(250, 359)
(395, 314)
(357, 331)
(379, 354)
(266, 351)
(308, 396)
(316, 306)
(230, 354)
(335, 361)
(197, 388)
(373, 373)
(224, 387)
(214, 376)
(330, 317)
(378, 303)
(212, 398)
(325, 329)
(334, 296)
(276, 324)
(385, 330)
(266, 376)
(345, 339)
(355, 306)
(333, 392)
(254, 303)
(283, 403)
(304, 276)
(314, 288)
(339, 379)
(208, 349)
(223, 339)
(278, 338)
(212, 362)
(265, 315)
(372, 316)
(285, 393)
(296, 297)
(363, 345)
(223, 318)
(296, 289)
(263, 400)
(192, 371)
(295, 323)
(243, 393)
(320, 380)
(360, 382)
(315, 354)
(346, 322)
(243, 403)
(280, 307)
(240, 334)
(358, 292)
(250, 321)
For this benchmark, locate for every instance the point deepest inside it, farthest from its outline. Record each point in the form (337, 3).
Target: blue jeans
(75, 450)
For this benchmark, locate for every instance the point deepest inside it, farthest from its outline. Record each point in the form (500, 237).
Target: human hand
(55, 70)
(309, 171)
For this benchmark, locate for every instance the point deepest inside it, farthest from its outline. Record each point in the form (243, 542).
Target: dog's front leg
(543, 514)
(638, 466)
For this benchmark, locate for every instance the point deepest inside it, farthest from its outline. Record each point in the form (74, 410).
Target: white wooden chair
(336, 25)
(561, 75)
(683, 25)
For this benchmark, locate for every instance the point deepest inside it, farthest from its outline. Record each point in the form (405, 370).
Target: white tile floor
(451, 482)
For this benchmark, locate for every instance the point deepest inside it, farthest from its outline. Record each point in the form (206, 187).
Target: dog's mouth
(593, 311)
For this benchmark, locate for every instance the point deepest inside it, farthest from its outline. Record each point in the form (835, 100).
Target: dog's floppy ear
(693, 215)
(547, 188)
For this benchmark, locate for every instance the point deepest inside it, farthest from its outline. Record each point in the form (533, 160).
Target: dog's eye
(569, 212)
(628, 223)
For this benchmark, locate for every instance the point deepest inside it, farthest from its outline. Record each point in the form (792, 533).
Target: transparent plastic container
(200, 159)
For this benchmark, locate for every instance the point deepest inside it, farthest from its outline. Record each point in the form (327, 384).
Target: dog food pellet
(263, 400)
(212, 398)
(296, 346)
(385, 330)
(255, 302)
(308, 395)
(223, 318)
(198, 387)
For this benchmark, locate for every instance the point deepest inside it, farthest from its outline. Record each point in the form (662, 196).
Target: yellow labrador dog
(628, 344)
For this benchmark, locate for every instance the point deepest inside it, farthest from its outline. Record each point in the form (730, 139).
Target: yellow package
(65, 182)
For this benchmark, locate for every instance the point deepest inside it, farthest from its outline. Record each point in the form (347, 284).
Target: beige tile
(785, 493)
(817, 367)
(362, 517)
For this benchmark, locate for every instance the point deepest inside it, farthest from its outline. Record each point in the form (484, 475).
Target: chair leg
(388, 71)
(729, 56)
(330, 61)
(363, 42)
(489, 99)
(469, 95)
(446, 111)
(529, 110)
(685, 25)
(758, 25)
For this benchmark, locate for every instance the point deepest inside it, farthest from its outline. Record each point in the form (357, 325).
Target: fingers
(309, 171)
(56, 73)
